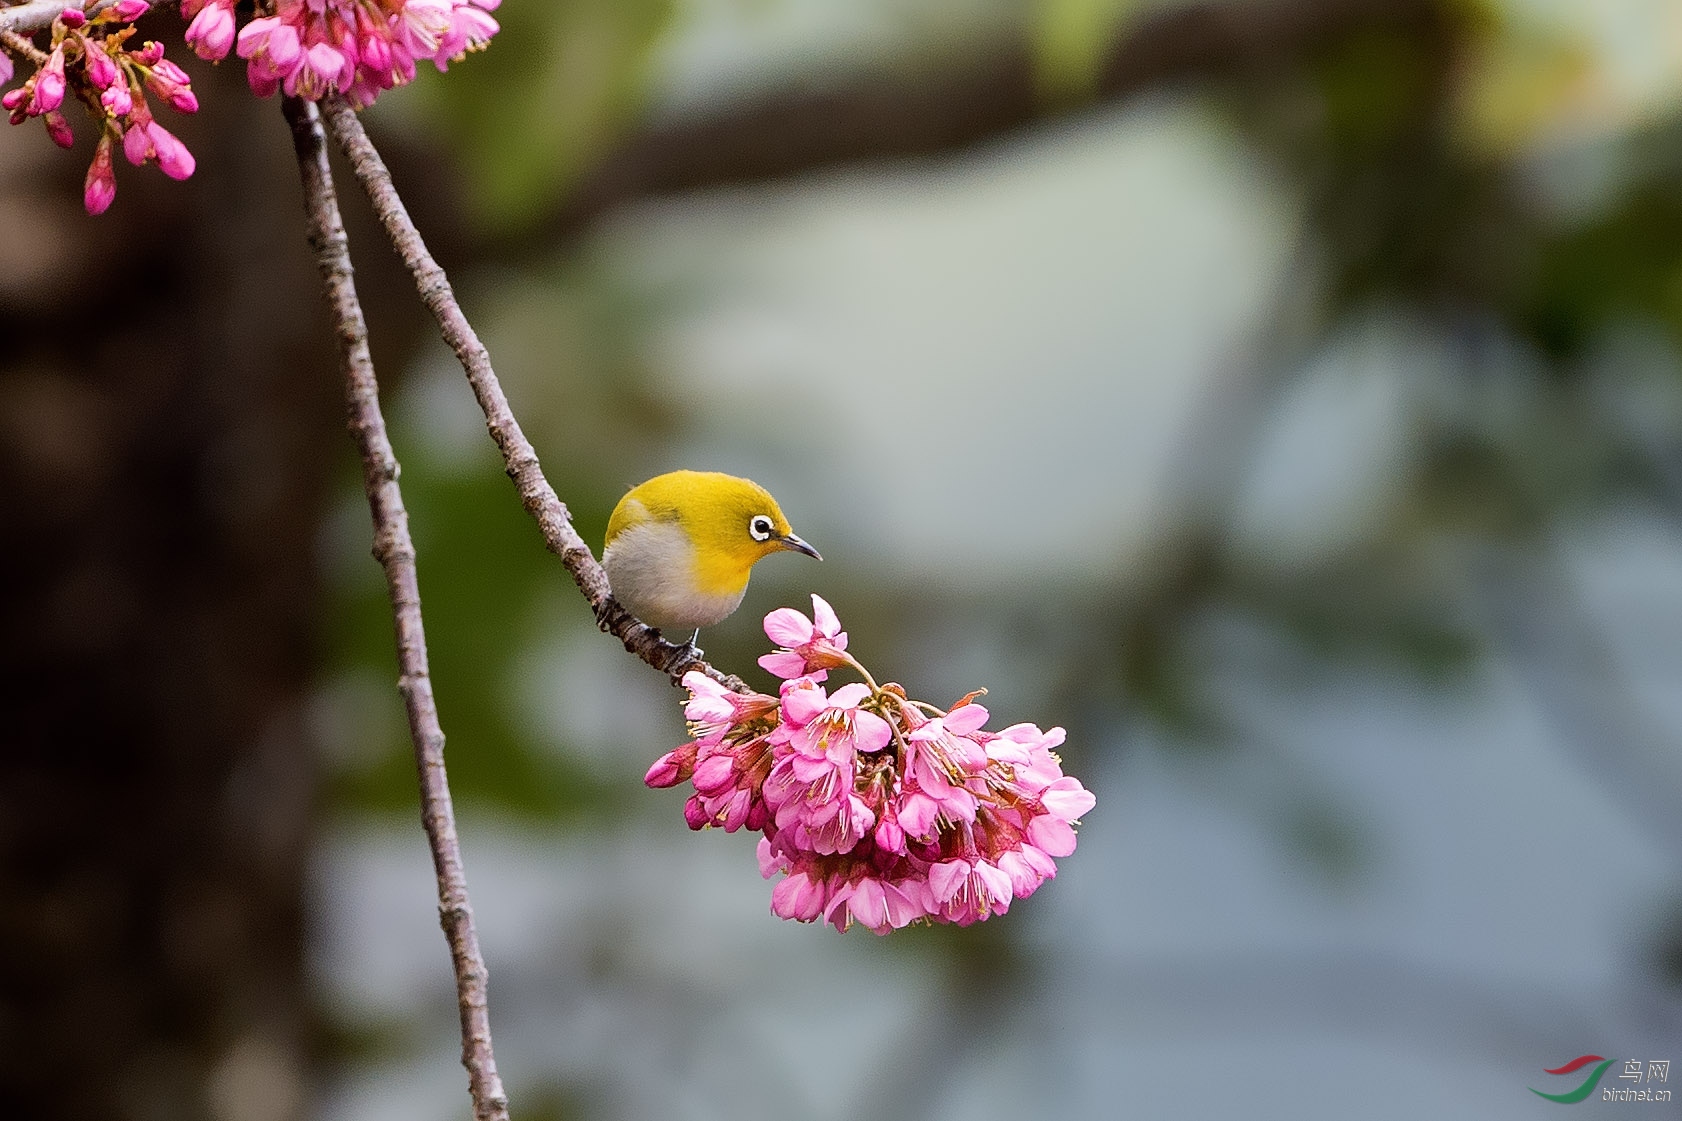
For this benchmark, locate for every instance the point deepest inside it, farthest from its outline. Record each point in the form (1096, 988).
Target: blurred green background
(1283, 396)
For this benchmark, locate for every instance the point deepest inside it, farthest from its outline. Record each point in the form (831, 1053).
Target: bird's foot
(695, 651)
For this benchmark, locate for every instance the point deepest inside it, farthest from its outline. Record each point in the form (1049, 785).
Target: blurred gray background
(1283, 396)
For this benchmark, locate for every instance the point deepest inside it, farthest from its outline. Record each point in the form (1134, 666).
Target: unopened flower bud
(101, 70)
(100, 187)
(117, 100)
(49, 85)
(72, 18)
(211, 34)
(174, 160)
(59, 129)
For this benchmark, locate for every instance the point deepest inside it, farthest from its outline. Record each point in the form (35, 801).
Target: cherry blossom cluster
(304, 48)
(358, 48)
(875, 808)
(90, 59)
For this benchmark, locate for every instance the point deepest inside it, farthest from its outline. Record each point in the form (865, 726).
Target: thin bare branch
(396, 554)
(38, 15)
(22, 47)
(518, 455)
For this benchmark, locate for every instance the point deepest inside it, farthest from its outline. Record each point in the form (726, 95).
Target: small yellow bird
(681, 546)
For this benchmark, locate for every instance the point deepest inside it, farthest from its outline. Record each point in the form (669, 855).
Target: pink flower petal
(1052, 834)
(824, 618)
(849, 696)
(868, 904)
(787, 627)
(802, 705)
(871, 732)
(783, 664)
(965, 719)
(1068, 799)
(946, 879)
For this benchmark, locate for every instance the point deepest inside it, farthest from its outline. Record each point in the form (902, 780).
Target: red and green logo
(1574, 1096)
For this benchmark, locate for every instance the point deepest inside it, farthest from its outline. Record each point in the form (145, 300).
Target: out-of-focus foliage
(567, 77)
(1072, 39)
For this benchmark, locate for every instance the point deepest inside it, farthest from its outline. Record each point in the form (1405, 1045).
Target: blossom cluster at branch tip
(357, 48)
(91, 59)
(874, 808)
(305, 48)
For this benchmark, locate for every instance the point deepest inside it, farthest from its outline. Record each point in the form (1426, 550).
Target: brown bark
(396, 554)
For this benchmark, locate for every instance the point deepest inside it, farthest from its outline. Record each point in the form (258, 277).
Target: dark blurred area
(1452, 255)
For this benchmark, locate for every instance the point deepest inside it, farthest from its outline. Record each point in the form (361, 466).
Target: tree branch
(396, 554)
(22, 47)
(518, 455)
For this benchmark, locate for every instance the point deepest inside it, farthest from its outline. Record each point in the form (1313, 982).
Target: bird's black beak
(794, 545)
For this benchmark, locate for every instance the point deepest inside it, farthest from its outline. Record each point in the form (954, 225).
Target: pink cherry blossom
(810, 646)
(357, 48)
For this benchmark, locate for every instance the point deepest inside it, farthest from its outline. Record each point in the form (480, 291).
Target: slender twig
(518, 455)
(396, 554)
(38, 15)
(22, 47)
(30, 18)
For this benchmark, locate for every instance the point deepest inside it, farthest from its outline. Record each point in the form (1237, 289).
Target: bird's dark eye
(760, 527)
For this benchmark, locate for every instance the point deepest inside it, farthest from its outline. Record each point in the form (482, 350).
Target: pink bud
(150, 53)
(261, 84)
(376, 53)
(169, 81)
(49, 85)
(117, 100)
(129, 10)
(715, 775)
(889, 836)
(136, 145)
(5, 67)
(211, 34)
(100, 187)
(72, 18)
(59, 129)
(14, 99)
(101, 70)
(173, 158)
(167, 72)
(672, 767)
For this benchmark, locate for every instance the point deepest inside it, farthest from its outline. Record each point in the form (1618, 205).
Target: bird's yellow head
(681, 546)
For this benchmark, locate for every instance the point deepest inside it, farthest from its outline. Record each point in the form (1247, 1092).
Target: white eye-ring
(760, 527)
